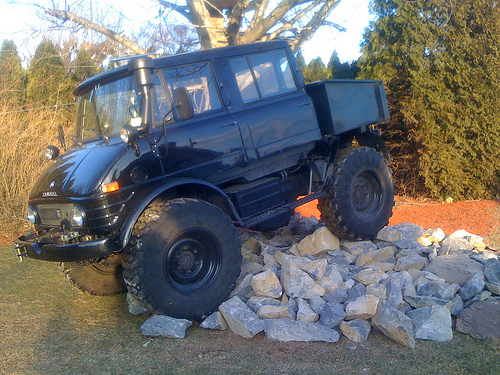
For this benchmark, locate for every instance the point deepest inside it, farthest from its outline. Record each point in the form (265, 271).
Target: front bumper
(45, 248)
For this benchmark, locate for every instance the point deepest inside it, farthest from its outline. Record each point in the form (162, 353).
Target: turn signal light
(109, 188)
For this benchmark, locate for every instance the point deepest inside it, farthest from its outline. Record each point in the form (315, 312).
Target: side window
(198, 81)
(263, 75)
(244, 79)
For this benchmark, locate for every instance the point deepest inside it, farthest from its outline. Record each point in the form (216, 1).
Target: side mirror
(183, 106)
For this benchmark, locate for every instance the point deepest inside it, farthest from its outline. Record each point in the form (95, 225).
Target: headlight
(77, 216)
(51, 152)
(129, 134)
(32, 214)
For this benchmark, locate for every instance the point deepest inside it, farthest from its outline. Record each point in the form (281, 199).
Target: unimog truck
(171, 155)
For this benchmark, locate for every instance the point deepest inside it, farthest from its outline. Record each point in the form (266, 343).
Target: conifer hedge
(440, 61)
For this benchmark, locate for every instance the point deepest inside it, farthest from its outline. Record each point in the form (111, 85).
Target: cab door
(207, 145)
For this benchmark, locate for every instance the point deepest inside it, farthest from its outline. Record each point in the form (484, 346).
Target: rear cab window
(263, 75)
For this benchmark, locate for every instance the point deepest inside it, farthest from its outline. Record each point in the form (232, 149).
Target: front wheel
(103, 278)
(183, 259)
(360, 194)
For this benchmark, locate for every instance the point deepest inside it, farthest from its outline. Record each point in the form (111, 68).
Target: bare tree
(220, 22)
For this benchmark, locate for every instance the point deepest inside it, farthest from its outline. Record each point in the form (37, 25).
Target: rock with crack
(289, 330)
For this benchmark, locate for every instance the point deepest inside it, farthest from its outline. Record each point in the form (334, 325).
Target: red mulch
(476, 217)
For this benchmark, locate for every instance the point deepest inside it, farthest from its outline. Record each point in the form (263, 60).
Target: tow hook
(19, 252)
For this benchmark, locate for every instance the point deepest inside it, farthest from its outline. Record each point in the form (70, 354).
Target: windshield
(105, 109)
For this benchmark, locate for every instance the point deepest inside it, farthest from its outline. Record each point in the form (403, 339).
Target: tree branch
(119, 38)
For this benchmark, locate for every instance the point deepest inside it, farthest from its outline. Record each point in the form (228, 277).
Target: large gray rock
(289, 330)
(165, 326)
(394, 324)
(266, 284)
(432, 323)
(472, 287)
(481, 320)
(356, 330)
(403, 231)
(454, 268)
(492, 273)
(240, 318)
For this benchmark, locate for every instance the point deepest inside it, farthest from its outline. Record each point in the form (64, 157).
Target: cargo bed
(342, 105)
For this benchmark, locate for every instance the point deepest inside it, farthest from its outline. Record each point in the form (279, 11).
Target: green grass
(47, 327)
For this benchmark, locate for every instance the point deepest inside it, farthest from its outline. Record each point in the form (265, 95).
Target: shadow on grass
(48, 327)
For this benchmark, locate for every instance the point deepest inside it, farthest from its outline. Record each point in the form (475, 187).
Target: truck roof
(183, 58)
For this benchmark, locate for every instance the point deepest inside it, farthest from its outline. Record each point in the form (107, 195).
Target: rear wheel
(360, 194)
(103, 278)
(183, 259)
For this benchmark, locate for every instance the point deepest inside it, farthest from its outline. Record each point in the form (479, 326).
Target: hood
(78, 172)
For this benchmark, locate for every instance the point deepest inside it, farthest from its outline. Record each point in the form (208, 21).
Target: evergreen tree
(341, 70)
(315, 71)
(12, 75)
(48, 83)
(440, 63)
(84, 66)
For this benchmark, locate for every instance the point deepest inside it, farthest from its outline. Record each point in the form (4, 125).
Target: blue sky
(17, 18)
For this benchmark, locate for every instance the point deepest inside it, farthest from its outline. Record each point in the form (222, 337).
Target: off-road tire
(102, 278)
(183, 258)
(360, 194)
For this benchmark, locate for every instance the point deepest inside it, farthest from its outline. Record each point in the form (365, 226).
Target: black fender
(158, 192)
(371, 138)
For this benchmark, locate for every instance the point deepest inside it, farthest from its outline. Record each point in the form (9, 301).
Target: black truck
(171, 154)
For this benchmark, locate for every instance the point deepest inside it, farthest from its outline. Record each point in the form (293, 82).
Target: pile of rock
(409, 284)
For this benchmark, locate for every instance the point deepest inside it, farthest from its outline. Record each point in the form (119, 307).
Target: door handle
(304, 104)
(231, 124)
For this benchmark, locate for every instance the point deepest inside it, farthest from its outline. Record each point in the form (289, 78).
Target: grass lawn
(47, 327)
